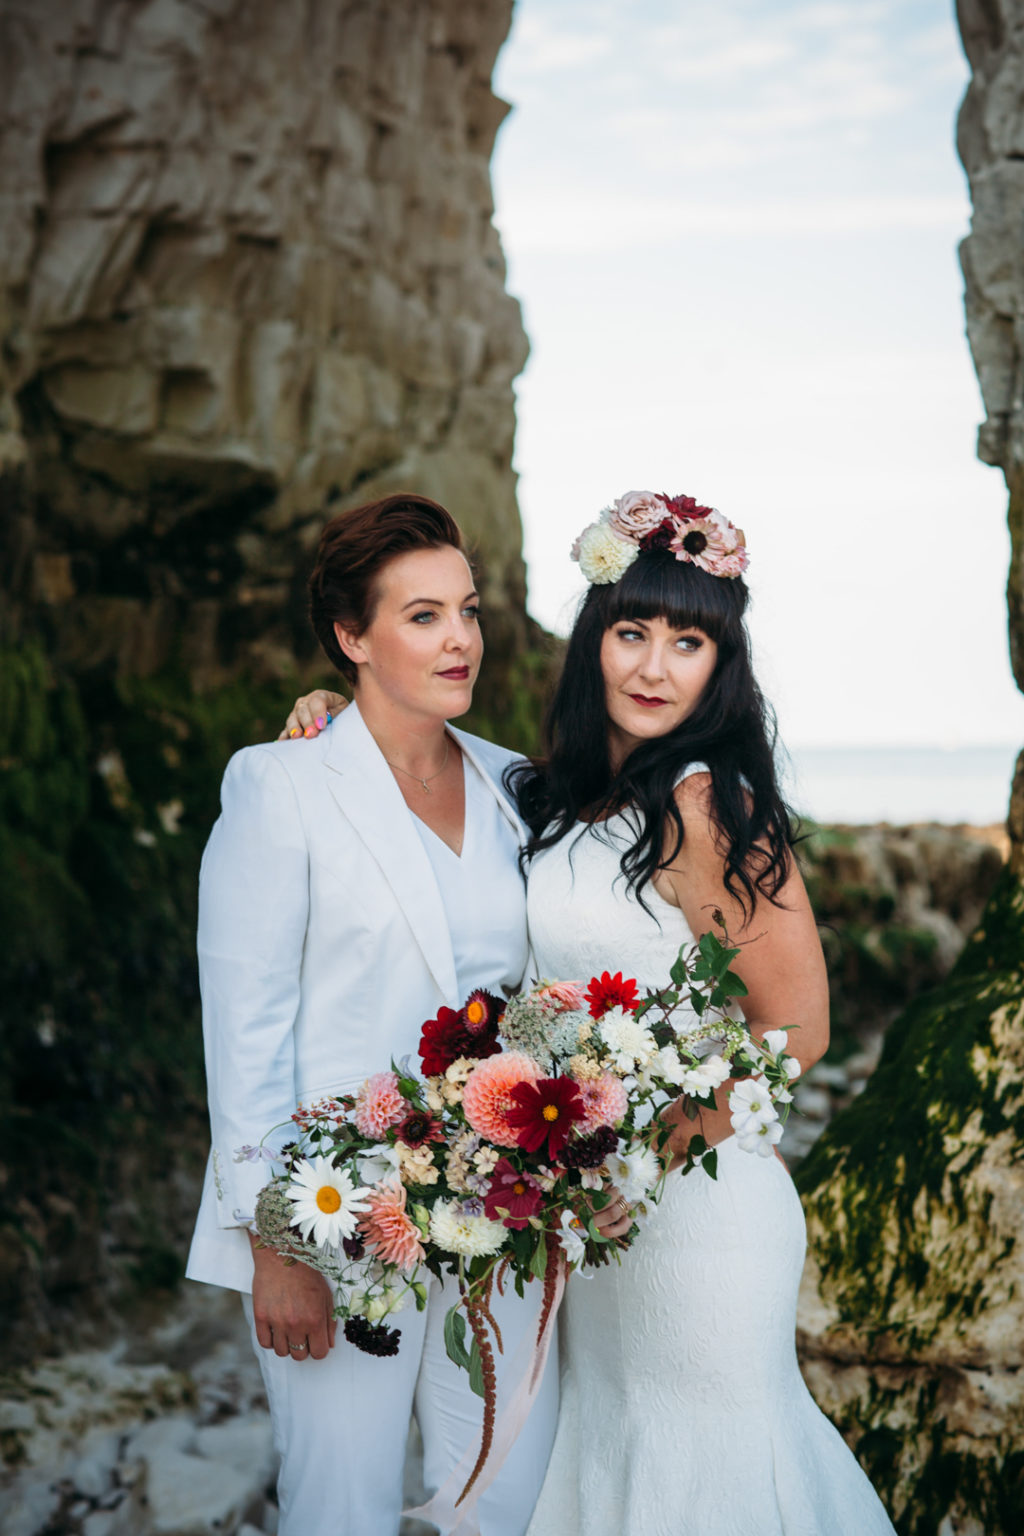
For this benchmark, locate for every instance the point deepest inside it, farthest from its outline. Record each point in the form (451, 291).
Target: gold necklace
(426, 783)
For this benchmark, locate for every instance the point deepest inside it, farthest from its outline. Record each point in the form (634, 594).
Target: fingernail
(320, 722)
(330, 717)
(309, 731)
(294, 731)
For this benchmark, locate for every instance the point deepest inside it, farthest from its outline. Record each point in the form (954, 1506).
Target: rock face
(248, 276)
(247, 271)
(913, 1302)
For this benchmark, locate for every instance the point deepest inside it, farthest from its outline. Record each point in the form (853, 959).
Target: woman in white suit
(349, 889)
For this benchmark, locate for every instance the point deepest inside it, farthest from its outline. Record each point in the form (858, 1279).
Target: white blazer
(323, 946)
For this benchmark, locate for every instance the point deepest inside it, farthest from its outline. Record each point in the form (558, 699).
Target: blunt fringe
(354, 548)
(732, 730)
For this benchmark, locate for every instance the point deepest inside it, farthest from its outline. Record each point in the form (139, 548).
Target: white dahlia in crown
(604, 556)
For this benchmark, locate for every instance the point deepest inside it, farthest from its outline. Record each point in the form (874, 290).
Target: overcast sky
(732, 225)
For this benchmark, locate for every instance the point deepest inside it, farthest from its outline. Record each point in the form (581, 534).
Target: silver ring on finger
(298, 1349)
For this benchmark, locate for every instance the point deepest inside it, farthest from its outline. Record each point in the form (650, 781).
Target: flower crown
(643, 520)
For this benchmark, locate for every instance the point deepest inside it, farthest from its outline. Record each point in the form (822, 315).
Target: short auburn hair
(354, 548)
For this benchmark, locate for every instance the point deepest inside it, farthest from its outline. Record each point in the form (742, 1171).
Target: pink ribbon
(527, 1371)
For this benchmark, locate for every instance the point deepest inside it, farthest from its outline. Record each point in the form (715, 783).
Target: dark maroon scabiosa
(590, 1151)
(607, 992)
(354, 1247)
(372, 1338)
(660, 537)
(446, 1038)
(418, 1128)
(545, 1111)
(514, 1192)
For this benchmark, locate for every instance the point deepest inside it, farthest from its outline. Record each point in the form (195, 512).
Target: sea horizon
(900, 784)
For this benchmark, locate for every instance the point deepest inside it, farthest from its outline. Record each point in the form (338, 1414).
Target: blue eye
(472, 612)
(418, 618)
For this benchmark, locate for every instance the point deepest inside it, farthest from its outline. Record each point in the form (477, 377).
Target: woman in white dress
(683, 1411)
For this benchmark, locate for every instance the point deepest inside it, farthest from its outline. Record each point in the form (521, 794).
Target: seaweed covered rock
(913, 1301)
(912, 1308)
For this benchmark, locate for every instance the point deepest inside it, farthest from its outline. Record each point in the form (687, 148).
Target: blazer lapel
(505, 805)
(365, 790)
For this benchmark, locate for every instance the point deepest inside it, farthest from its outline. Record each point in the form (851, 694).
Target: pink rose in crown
(637, 513)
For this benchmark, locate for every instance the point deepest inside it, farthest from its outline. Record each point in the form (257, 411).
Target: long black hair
(732, 731)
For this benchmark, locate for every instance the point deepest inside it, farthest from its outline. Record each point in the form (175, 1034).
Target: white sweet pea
(711, 1074)
(760, 1137)
(573, 1245)
(751, 1106)
(666, 1065)
(791, 1067)
(378, 1164)
(774, 1040)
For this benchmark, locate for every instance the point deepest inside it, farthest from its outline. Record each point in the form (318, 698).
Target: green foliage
(890, 1144)
(871, 1186)
(107, 793)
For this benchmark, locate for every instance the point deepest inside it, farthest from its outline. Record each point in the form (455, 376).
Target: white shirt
(482, 892)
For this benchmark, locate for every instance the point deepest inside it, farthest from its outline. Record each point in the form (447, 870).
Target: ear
(350, 643)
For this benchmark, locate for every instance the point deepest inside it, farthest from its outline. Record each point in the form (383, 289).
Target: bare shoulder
(695, 802)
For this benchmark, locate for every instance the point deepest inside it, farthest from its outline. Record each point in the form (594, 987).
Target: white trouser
(340, 1424)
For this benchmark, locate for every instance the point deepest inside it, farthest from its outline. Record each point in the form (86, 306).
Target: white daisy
(627, 1040)
(473, 1236)
(327, 1201)
(635, 1173)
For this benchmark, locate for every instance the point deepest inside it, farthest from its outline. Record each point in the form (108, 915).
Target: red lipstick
(457, 674)
(648, 703)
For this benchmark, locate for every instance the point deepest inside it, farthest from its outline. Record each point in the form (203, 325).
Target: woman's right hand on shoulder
(312, 713)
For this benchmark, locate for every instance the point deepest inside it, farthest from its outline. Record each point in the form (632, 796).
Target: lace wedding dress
(683, 1409)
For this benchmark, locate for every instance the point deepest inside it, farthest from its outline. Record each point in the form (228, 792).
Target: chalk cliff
(247, 273)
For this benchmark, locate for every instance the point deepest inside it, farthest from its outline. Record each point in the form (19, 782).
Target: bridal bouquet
(491, 1166)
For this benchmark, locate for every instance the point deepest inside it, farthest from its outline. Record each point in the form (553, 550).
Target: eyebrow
(437, 602)
(680, 629)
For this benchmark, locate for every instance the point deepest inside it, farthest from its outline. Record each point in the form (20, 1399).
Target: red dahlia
(446, 1038)
(686, 508)
(607, 992)
(545, 1112)
(514, 1192)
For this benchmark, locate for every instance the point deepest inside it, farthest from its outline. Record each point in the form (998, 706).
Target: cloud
(596, 221)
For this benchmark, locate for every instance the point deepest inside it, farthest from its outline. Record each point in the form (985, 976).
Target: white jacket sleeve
(253, 909)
